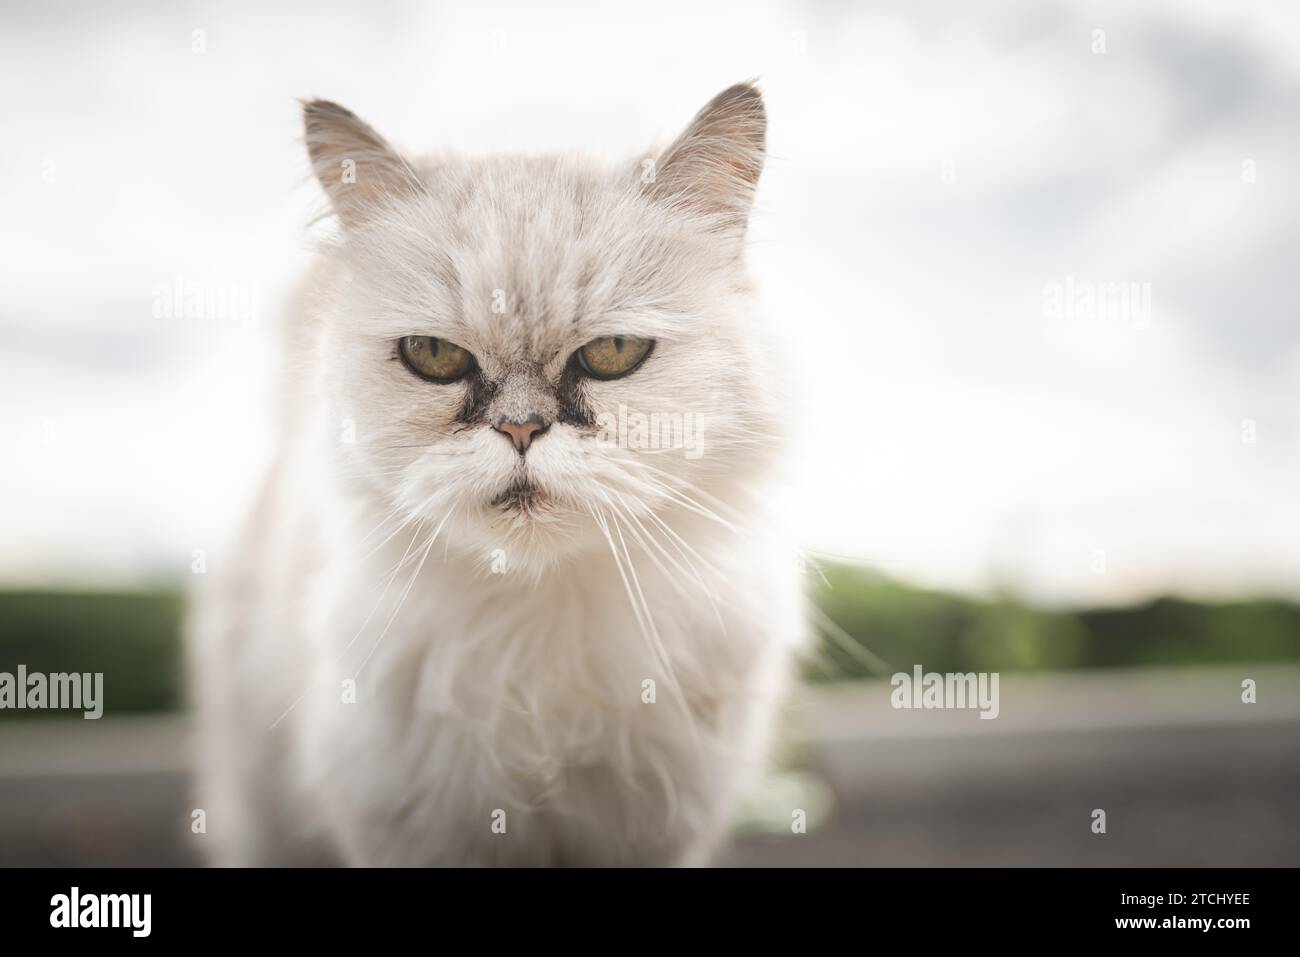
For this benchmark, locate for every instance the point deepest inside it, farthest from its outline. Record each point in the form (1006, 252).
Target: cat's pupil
(416, 343)
(618, 343)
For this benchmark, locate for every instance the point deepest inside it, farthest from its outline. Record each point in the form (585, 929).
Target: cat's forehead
(527, 200)
(533, 254)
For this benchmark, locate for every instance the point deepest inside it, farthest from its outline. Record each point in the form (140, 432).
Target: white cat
(510, 593)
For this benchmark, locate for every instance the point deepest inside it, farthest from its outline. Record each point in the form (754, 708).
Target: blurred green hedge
(134, 637)
(944, 632)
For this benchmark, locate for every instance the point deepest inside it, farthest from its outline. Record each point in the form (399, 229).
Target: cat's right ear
(360, 172)
(713, 167)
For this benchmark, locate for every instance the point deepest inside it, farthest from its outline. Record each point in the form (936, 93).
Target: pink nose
(521, 433)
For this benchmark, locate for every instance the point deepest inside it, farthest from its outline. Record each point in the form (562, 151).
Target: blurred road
(1187, 774)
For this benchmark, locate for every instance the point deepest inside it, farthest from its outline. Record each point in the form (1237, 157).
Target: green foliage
(944, 632)
(134, 637)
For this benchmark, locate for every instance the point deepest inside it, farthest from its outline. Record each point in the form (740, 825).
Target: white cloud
(950, 431)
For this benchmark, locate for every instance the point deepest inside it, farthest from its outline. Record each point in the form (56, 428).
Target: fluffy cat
(510, 593)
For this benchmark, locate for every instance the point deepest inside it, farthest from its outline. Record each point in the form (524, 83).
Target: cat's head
(540, 352)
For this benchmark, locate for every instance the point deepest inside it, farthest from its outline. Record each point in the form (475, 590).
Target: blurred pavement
(1188, 776)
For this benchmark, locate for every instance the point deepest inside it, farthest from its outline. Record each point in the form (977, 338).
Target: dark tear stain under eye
(478, 396)
(573, 406)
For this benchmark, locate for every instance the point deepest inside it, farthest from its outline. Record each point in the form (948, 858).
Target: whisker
(694, 574)
(868, 659)
(401, 601)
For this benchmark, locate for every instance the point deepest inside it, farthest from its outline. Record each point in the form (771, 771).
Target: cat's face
(536, 355)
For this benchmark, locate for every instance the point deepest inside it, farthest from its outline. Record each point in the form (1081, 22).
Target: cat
(513, 591)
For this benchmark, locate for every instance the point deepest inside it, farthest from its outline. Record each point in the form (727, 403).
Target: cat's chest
(544, 687)
(467, 643)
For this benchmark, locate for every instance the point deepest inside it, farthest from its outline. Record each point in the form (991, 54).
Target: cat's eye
(435, 359)
(611, 357)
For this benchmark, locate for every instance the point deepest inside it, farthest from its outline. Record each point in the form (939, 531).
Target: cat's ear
(359, 170)
(713, 167)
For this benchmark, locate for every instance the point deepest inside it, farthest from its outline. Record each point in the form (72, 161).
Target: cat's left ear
(713, 167)
(360, 172)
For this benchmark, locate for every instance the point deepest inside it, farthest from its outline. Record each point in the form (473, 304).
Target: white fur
(500, 656)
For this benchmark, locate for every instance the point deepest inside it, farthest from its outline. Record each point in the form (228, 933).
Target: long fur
(393, 668)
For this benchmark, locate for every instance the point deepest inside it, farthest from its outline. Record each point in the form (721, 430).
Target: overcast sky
(948, 184)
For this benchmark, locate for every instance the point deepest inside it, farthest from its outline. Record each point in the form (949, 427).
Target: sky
(954, 197)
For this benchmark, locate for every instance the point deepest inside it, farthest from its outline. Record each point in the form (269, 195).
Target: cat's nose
(522, 433)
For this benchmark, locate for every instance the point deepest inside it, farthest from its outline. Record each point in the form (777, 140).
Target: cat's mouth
(521, 496)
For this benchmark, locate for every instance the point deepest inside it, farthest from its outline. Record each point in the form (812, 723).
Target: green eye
(435, 359)
(611, 357)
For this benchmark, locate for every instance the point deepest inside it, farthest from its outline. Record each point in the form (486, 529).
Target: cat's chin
(530, 532)
(524, 500)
